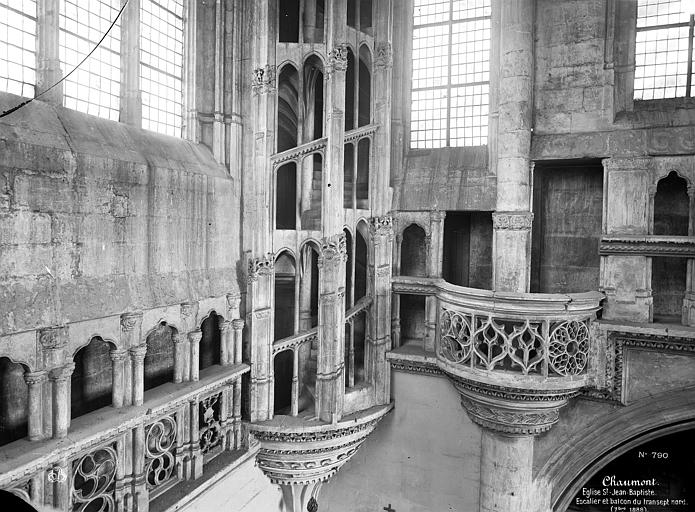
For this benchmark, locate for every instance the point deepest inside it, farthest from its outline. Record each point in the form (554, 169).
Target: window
(664, 49)
(161, 66)
(18, 47)
(94, 88)
(450, 83)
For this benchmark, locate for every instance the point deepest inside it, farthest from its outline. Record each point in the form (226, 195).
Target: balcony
(512, 356)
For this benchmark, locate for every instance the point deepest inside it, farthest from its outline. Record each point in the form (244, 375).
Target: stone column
(512, 222)
(238, 327)
(189, 311)
(260, 326)
(379, 317)
(226, 342)
(60, 378)
(180, 346)
(52, 342)
(139, 478)
(295, 382)
(330, 385)
(194, 338)
(131, 328)
(196, 455)
(118, 393)
(48, 70)
(626, 278)
(59, 473)
(137, 357)
(35, 382)
(688, 309)
(434, 263)
(131, 97)
(236, 411)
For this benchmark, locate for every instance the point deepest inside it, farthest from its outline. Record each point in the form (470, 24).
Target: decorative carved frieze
(517, 221)
(296, 154)
(510, 421)
(263, 81)
(53, 338)
(422, 367)
(683, 247)
(384, 55)
(261, 266)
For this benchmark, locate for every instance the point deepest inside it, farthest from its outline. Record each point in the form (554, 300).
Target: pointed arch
(313, 98)
(14, 397)
(159, 358)
(92, 379)
(364, 111)
(285, 291)
(414, 251)
(288, 108)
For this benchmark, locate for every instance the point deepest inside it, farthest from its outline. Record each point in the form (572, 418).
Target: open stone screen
(450, 82)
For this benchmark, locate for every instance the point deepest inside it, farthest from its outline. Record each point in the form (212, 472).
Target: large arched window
(14, 396)
(159, 359)
(92, 379)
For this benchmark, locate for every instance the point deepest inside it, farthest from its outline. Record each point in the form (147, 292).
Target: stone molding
(263, 81)
(510, 422)
(138, 353)
(420, 367)
(516, 221)
(33, 378)
(683, 247)
(383, 55)
(118, 355)
(628, 164)
(295, 154)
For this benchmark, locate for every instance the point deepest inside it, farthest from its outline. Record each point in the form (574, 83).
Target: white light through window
(664, 49)
(451, 78)
(161, 65)
(18, 47)
(95, 87)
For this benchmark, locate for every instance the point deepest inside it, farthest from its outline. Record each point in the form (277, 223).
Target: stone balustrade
(119, 459)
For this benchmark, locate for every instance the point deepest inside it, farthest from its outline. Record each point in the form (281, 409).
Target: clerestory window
(451, 73)
(664, 49)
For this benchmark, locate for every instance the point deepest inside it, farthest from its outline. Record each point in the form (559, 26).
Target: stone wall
(97, 218)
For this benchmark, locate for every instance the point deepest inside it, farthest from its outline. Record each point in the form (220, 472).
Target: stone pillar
(434, 263)
(236, 412)
(35, 382)
(189, 311)
(59, 474)
(48, 70)
(52, 342)
(295, 382)
(60, 378)
(238, 326)
(131, 96)
(234, 28)
(626, 278)
(379, 317)
(506, 466)
(196, 454)
(260, 326)
(141, 495)
(330, 385)
(190, 111)
(194, 338)
(137, 357)
(131, 328)
(512, 222)
(118, 393)
(180, 346)
(226, 342)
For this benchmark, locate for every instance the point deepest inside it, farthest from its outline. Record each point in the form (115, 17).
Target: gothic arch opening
(159, 359)
(288, 108)
(312, 193)
(414, 252)
(348, 175)
(669, 275)
(361, 261)
(313, 99)
(309, 288)
(286, 196)
(92, 380)
(362, 179)
(364, 115)
(282, 375)
(14, 397)
(285, 272)
(350, 90)
(210, 342)
(288, 21)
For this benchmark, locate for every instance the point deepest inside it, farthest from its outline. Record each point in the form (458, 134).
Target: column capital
(62, 373)
(381, 226)
(263, 81)
(138, 353)
(332, 248)
(260, 266)
(33, 378)
(225, 325)
(517, 221)
(53, 338)
(129, 321)
(338, 57)
(118, 355)
(177, 338)
(238, 324)
(195, 336)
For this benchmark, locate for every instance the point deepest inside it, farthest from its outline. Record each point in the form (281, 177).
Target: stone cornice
(683, 247)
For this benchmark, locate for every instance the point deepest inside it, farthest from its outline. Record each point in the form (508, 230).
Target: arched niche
(414, 252)
(312, 168)
(210, 341)
(348, 175)
(313, 99)
(14, 397)
(350, 91)
(92, 380)
(669, 275)
(361, 261)
(362, 178)
(282, 375)
(285, 274)
(288, 21)
(364, 113)
(159, 359)
(349, 269)
(288, 108)
(286, 196)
